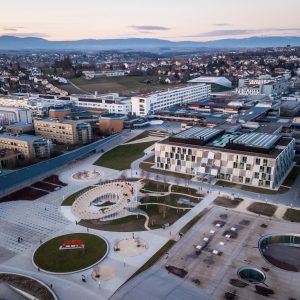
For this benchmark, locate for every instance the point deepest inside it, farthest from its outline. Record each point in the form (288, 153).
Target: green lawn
(171, 199)
(126, 85)
(160, 215)
(142, 135)
(126, 224)
(155, 186)
(48, 256)
(290, 179)
(253, 189)
(184, 190)
(121, 157)
(292, 215)
(262, 208)
(70, 200)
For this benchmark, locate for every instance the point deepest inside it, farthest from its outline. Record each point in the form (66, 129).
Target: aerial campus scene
(150, 150)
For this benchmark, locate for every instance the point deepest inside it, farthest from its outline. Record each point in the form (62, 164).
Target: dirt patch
(27, 193)
(55, 180)
(263, 290)
(227, 202)
(238, 283)
(28, 285)
(177, 271)
(262, 208)
(45, 186)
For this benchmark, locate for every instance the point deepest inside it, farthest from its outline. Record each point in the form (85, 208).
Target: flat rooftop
(257, 140)
(23, 137)
(200, 133)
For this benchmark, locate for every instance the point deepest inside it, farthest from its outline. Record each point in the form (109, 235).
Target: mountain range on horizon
(35, 43)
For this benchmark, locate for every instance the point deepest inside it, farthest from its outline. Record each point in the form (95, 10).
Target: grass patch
(71, 199)
(121, 157)
(292, 215)
(155, 186)
(126, 224)
(125, 86)
(262, 208)
(48, 256)
(184, 190)
(28, 285)
(253, 189)
(192, 222)
(142, 135)
(162, 251)
(150, 159)
(147, 167)
(227, 202)
(160, 215)
(171, 199)
(290, 179)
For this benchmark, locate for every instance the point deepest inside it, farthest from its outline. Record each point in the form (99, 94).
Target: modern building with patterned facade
(256, 159)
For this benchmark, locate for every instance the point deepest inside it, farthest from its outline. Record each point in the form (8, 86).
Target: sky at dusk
(197, 20)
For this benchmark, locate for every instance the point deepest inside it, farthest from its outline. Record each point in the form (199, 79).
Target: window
(256, 175)
(257, 161)
(247, 180)
(248, 167)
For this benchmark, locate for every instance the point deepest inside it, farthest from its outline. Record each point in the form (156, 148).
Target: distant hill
(33, 43)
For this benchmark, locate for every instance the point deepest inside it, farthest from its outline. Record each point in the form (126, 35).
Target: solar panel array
(200, 133)
(258, 140)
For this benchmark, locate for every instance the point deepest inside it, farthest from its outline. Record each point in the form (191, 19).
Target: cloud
(149, 27)
(222, 24)
(243, 32)
(28, 34)
(6, 28)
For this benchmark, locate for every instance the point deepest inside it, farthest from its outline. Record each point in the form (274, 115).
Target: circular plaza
(70, 253)
(104, 202)
(281, 250)
(86, 175)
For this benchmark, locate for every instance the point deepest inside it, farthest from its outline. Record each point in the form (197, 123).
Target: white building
(264, 85)
(256, 159)
(10, 115)
(222, 81)
(148, 104)
(113, 103)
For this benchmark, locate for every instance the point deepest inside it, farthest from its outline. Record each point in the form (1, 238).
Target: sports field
(126, 86)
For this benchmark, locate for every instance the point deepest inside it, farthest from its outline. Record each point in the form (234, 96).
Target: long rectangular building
(150, 103)
(256, 159)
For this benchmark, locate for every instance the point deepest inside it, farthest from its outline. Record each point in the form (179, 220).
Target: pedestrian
(99, 284)
(39, 269)
(133, 235)
(76, 222)
(124, 262)
(87, 230)
(51, 286)
(40, 241)
(170, 233)
(45, 208)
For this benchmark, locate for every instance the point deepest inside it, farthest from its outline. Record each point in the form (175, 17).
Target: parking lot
(218, 245)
